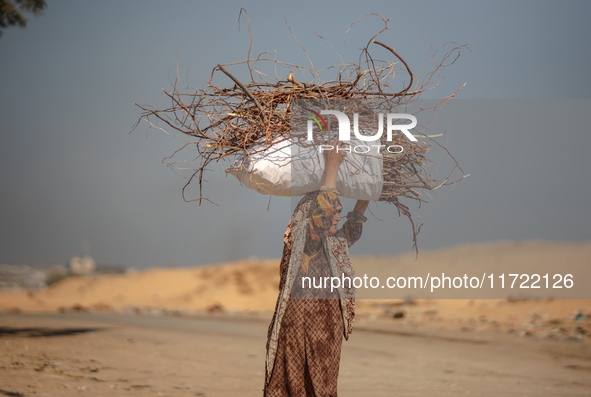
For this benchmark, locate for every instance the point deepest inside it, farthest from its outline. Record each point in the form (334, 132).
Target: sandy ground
(201, 332)
(100, 355)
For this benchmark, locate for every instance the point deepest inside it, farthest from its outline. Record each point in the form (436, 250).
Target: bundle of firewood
(238, 116)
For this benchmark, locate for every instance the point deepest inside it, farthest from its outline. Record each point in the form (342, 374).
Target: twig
(258, 105)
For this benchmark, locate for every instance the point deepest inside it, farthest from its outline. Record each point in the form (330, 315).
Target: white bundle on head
(292, 168)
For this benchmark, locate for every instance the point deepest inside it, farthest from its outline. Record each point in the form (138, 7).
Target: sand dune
(243, 286)
(251, 287)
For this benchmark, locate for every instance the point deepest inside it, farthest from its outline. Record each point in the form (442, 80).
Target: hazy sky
(75, 181)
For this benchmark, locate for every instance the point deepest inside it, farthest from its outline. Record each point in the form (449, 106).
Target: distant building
(28, 277)
(82, 265)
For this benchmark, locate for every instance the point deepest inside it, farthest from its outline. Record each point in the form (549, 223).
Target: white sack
(287, 169)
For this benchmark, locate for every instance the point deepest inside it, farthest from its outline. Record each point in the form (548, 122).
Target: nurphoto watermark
(375, 132)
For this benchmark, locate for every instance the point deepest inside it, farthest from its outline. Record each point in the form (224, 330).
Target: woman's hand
(336, 155)
(333, 160)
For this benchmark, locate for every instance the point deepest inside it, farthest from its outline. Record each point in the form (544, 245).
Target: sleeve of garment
(318, 225)
(353, 227)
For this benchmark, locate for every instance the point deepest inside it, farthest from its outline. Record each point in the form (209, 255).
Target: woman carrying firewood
(306, 333)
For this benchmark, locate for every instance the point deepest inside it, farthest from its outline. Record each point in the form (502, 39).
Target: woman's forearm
(333, 160)
(361, 206)
(330, 175)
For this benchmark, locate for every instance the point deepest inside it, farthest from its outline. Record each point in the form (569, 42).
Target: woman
(305, 335)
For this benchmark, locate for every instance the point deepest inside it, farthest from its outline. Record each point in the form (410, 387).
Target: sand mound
(252, 286)
(243, 286)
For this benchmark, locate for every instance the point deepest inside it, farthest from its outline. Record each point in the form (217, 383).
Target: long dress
(304, 356)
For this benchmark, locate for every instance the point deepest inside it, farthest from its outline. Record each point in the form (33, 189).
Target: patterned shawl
(336, 248)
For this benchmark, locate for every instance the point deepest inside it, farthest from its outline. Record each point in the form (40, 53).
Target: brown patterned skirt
(309, 350)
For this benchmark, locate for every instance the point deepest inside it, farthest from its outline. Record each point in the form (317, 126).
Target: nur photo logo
(368, 129)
